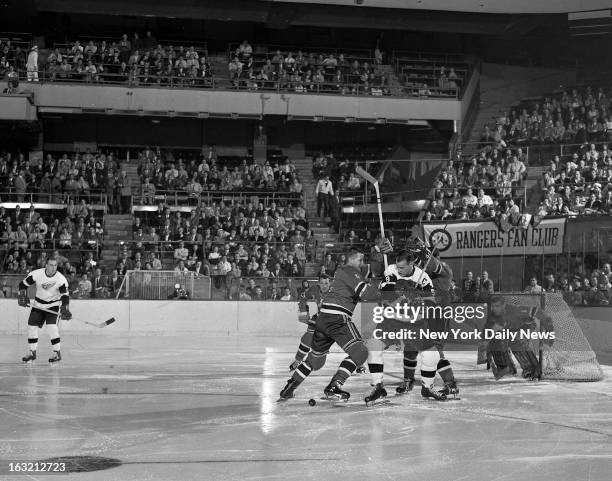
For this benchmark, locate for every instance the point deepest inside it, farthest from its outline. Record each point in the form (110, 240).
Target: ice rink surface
(204, 408)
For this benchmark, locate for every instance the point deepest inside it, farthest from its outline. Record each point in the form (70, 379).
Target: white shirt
(324, 187)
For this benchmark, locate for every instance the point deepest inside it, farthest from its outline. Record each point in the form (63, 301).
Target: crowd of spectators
(229, 241)
(305, 72)
(592, 288)
(165, 171)
(65, 178)
(580, 184)
(133, 61)
(428, 81)
(582, 288)
(487, 186)
(570, 117)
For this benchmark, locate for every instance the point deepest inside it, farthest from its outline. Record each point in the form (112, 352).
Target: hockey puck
(312, 402)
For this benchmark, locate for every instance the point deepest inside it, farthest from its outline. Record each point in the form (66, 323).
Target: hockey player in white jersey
(51, 295)
(414, 286)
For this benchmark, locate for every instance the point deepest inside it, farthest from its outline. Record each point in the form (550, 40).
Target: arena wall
(227, 318)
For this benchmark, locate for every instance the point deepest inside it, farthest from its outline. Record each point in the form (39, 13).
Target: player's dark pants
(330, 329)
(37, 320)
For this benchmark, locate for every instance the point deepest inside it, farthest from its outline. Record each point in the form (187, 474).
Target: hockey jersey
(49, 290)
(347, 288)
(418, 280)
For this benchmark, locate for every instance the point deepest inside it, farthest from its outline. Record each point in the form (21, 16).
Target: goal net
(570, 356)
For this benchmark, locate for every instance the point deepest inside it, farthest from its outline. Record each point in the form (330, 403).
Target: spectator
(324, 190)
(486, 286)
(469, 287)
(32, 65)
(534, 287)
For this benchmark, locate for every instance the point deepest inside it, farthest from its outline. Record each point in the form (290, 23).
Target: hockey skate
(360, 370)
(430, 392)
(288, 390)
(293, 366)
(333, 392)
(30, 358)
(405, 387)
(57, 357)
(450, 388)
(377, 395)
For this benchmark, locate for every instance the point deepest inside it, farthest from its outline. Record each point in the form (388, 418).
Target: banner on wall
(486, 238)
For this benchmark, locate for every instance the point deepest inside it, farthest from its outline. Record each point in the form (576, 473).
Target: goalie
(497, 351)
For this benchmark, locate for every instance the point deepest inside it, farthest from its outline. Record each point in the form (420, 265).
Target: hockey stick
(374, 181)
(99, 325)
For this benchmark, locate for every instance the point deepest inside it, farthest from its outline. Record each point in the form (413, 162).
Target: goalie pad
(501, 364)
(528, 362)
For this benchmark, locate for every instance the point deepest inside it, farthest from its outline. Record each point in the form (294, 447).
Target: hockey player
(51, 294)
(496, 352)
(334, 324)
(410, 282)
(441, 276)
(313, 293)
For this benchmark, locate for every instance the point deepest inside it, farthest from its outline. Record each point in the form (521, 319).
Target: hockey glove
(23, 299)
(65, 314)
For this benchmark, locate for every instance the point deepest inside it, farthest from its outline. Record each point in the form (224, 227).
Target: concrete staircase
(117, 227)
(534, 189)
(323, 233)
(219, 65)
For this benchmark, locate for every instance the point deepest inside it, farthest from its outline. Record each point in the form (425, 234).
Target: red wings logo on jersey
(47, 285)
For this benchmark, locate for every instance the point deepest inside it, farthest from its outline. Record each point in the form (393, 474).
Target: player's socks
(33, 343)
(376, 370)
(303, 350)
(55, 344)
(410, 364)
(346, 368)
(446, 373)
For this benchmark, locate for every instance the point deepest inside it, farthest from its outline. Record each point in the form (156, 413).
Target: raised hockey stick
(95, 324)
(374, 181)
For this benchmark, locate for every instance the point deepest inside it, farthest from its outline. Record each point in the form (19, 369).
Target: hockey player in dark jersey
(496, 352)
(313, 293)
(441, 276)
(334, 324)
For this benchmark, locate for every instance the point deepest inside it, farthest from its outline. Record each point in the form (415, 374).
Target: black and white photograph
(250, 240)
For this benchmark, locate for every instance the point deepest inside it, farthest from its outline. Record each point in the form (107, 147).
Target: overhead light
(155, 121)
(381, 121)
(349, 119)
